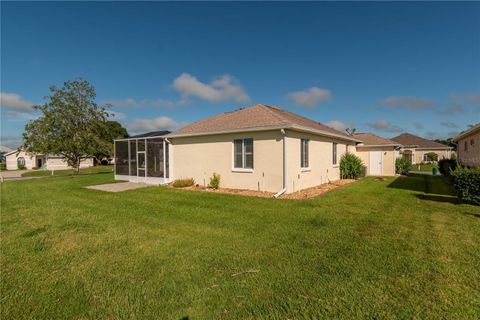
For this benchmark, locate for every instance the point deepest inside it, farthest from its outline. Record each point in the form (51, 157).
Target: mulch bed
(299, 195)
(317, 190)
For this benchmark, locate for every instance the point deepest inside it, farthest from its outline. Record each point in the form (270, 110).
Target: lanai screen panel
(121, 157)
(155, 163)
(133, 157)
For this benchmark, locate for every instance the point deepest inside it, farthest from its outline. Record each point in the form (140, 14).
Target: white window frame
(335, 154)
(305, 154)
(244, 154)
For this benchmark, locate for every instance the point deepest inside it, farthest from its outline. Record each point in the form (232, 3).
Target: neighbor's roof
(371, 139)
(150, 134)
(255, 118)
(467, 132)
(409, 140)
(4, 149)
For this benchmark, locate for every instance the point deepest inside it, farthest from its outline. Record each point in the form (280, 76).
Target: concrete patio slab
(118, 187)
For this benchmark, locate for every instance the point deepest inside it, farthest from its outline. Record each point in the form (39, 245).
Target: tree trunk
(77, 167)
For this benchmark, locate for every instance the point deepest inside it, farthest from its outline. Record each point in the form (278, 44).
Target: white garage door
(375, 163)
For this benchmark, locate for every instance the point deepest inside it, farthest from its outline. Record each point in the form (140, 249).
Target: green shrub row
(402, 166)
(351, 167)
(21, 166)
(182, 183)
(446, 166)
(466, 182)
(3, 166)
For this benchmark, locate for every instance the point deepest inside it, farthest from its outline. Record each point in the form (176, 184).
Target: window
(334, 160)
(472, 142)
(243, 153)
(21, 161)
(465, 146)
(304, 153)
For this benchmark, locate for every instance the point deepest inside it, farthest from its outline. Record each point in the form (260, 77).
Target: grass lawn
(373, 249)
(423, 167)
(67, 172)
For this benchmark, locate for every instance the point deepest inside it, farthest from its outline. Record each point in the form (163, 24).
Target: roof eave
(263, 128)
(467, 133)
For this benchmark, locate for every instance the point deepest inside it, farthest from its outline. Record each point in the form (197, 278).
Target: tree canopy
(72, 125)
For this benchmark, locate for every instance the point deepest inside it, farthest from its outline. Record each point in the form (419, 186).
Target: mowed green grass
(67, 172)
(373, 249)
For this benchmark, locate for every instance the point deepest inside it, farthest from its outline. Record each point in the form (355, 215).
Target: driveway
(12, 174)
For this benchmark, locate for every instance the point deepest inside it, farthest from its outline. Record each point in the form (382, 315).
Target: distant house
(468, 150)
(3, 151)
(32, 160)
(415, 148)
(377, 153)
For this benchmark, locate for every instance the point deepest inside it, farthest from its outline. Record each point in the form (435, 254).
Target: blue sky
(380, 67)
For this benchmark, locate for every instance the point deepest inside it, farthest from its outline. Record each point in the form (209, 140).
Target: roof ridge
(270, 110)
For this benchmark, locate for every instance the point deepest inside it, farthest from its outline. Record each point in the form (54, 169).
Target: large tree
(71, 124)
(111, 130)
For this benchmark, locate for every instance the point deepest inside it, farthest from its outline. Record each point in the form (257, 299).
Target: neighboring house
(377, 153)
(415, 148)
(468, 149)
(32, 160)
(258, 148)
(3, 151)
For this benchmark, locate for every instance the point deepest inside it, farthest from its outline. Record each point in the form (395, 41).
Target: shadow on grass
(434, 188)
(438, 198)
(476, 215)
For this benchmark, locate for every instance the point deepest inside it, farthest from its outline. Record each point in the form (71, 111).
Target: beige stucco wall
(11, 160)
(199, 157)
(51, 163)
(321, 169)
(389, 154)
(442, 154)
(57, 163)
(471, 156)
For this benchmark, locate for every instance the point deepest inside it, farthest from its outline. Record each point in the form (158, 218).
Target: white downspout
(279, 193)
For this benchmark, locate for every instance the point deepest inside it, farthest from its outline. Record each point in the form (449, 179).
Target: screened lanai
(143, 158)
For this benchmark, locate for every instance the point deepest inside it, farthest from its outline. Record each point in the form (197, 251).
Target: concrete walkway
(118, 187)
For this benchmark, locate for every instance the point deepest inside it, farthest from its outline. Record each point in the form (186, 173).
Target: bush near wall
(21, 166)
(467, 183)
(402, 166)
(446, 166)
(182, 183)
(3, 166)
(215, 181)
(351, 167)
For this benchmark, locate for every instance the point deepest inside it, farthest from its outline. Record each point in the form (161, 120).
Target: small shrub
(3, 166)
(466, 182)
(402, 166)
(446, 166)
(182, 183)
(104, 162)
(21, 166)
(351, 167)
(214, 181)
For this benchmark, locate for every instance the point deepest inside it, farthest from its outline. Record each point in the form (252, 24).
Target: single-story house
(468, 149)
(32, 160)
(377, 153)
(415, 148)
(259, 148)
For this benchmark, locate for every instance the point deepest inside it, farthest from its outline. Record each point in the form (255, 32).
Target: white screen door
(375, 163)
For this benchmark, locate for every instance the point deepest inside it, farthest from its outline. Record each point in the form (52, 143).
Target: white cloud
(310, 97)
(448, 124)
(338, 125)
(418, 126)
(407, 102)
(453, 108)
(129, 102)
(11, 142)
(472, 97)
(118, 116)
(220, 89)
(15, 102)
(156, 124)
(384, 125)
